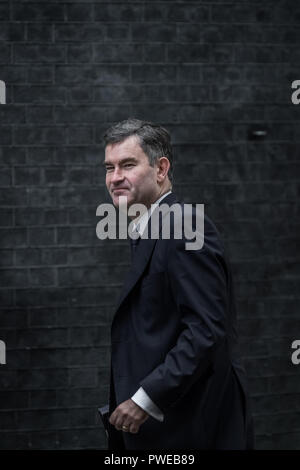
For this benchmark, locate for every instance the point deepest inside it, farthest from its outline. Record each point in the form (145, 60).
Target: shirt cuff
(144, 401)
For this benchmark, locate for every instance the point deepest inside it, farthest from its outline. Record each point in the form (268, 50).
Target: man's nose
(117, 175)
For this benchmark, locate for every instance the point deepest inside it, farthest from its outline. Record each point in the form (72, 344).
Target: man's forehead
(129, 147)
(129, 142)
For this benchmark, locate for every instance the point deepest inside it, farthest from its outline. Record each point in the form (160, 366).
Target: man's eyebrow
(125, 160)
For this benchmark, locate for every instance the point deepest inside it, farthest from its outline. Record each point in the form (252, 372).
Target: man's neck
(160, 195)
(142, 220)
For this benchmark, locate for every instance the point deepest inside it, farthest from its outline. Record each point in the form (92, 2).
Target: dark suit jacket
(174, 334)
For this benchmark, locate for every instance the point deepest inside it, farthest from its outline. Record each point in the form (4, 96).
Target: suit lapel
(141, 258)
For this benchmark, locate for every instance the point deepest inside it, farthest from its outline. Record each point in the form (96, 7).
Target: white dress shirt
(140, 397)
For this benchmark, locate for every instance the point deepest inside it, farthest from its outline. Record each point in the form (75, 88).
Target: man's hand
(128, 417)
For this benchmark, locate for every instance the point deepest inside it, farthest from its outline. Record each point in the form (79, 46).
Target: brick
(85, 33)
(7, 297)
(7, 257)
(80, 135)
(69, 114)
(75, 235)
(13, 196)
(28, 135)
(119, 12)
(152, 73)
(42, 398)
(38, 12)
(153, 32)
(155, 53)
(234, 13)
(40, 74)
(8, 380)
(43, 317)
(24, 176)
(41, 236)
(84, 316)
(13, 74)
(43, 338)
(13, 237)
(40, 114)
(39, 53)
(216, 33)
(14, 318)
(193, 53)
(80, 53)
(14, 400)
(86, 378)
(87, 356)
(43, 440)
(90, 335)
(5, 135)
(117, 32)
(41, 197)
(186, 13)
(18, 359)
(118, 53)
(10, 440)
(56, 175)
(81, 216)
(107, 74)
(81, 176)
(42, 277)
(72, 196)
(12, 32)
(7, 420)
(48, 358)
(90, 276)
(78, 155)
(56, 216)
(4, 11)
(79, 95)
(6, 177)
(40, 156)
(42, 419)
(190, 73)
(12, 114)
(155, 93)
(40, 32)
(79, 397)
(13, 278)
(119, 113)
(287, 441)
(81, 439)
(234, 72)
(80, 12)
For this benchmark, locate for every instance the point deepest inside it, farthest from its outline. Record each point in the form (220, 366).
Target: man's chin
(121, 202)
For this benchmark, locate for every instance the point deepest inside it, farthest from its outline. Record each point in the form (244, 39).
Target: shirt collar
(140, 223)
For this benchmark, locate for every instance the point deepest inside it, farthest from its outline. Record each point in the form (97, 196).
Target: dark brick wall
(212, 73)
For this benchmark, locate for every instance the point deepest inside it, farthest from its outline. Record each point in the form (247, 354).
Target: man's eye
(109, 168)
(128, 165)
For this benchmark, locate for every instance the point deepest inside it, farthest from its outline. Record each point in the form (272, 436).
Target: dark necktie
(134, 243)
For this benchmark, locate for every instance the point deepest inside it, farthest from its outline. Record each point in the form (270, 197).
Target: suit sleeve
(198, 283)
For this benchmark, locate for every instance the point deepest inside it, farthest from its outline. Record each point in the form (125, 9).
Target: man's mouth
(119, 189)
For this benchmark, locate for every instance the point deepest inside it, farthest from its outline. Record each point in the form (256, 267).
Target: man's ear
(163, 166)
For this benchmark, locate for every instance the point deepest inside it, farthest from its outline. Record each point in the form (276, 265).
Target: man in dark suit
(176, 378)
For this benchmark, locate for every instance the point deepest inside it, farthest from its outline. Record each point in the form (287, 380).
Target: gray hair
(153, 139)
